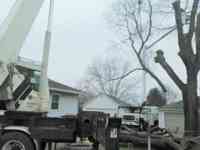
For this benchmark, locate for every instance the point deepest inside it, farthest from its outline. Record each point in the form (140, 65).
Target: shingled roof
(59, 87)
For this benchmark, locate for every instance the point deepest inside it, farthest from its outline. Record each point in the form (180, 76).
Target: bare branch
(161, 37)
(186, 52)
(197, 35)
(161, 60)
(128, 73)
(153, 75)
(119, 82)
(164, 28)
(147, 69)
(134, 29)
(139, 32)
(130, 37)
(179, 23)
(192, 19)
(101, 73)
(150, 24)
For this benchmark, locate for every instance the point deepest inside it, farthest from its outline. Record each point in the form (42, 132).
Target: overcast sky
(80, 34)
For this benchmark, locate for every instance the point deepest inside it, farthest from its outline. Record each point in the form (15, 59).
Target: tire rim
(13, 145)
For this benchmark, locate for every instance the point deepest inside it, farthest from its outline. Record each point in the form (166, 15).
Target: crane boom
(17, 81)
(15, 28)
(44, 86)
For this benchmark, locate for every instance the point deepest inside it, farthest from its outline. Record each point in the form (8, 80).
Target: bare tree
(99, 80)
(190, 56)
(134, 19)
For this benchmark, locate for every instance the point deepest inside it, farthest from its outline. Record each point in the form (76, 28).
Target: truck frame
(34, 131)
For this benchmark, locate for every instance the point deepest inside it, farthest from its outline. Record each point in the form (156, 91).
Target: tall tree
(99, 77)
(190, 56)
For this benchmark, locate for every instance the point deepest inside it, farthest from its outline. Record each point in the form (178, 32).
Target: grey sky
(80, 33)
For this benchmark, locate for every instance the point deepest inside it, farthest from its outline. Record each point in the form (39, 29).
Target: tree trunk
(190, 100)
(158, 142)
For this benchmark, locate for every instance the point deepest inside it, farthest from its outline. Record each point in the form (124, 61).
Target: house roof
(118, 101)
(59, 87)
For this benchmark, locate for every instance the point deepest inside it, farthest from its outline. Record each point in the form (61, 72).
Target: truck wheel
(16, 141)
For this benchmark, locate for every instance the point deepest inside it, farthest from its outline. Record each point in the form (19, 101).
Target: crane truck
(20, 80)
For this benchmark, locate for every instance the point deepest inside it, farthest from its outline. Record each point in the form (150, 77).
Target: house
(171, 117)
(63, 99)
(104, 103)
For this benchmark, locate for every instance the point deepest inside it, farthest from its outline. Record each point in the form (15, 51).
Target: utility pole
(146, 63)
(144, 74)
(149, 129)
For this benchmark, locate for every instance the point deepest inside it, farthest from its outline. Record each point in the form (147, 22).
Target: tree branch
(186, 52)
(147, 69)
(118, 84)
(139, 32)
(197, 36)
(127, 74)
(158, 141)
(192, 19)
(179, 23)
(150, 25)
(98, 77)
(161, 60)
(160, 83)
(143, 40)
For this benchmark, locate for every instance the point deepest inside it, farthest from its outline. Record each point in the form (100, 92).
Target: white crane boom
(44, 86)
(13, 33)
(16, 27)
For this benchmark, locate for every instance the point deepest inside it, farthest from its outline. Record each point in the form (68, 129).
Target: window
(55, 102)
(129, 117)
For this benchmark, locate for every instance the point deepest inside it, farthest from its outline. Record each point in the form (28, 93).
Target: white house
(104, 103)
(63, 99)
(171, 117)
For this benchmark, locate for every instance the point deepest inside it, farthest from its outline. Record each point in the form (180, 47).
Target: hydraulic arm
(15, 79)
(16, 27)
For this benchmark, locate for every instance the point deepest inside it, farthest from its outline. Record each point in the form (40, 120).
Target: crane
(16, 27)
(16, 76)
(21, 80)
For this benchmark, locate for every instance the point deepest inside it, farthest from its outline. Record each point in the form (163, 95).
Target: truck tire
(16, 141)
